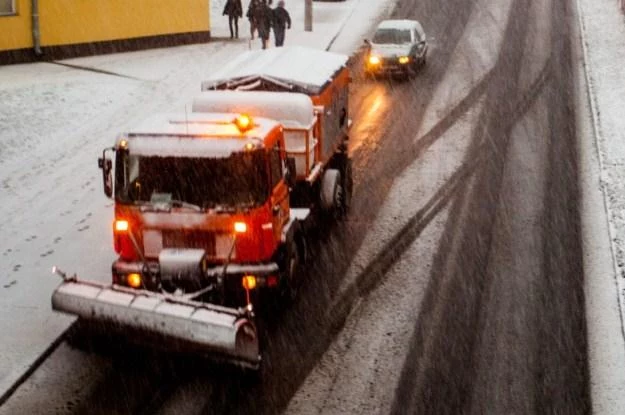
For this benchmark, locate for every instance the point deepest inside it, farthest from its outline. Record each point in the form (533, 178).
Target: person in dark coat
(252, 12)
(264, 18)
(234, 10)
(281, 22)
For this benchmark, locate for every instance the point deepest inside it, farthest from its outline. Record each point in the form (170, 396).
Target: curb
(35, 365)
(342, 26)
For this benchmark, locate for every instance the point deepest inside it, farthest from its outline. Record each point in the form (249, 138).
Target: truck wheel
(290, 276)
(332, 192)
(348, 186)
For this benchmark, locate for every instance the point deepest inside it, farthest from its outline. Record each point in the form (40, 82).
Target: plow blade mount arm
(227, 332)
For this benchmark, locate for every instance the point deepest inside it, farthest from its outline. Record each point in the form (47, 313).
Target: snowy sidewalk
(55, 119)
(602, 170)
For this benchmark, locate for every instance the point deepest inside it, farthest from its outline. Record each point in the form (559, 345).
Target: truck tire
(348, 185)
(332, 192)
(292, 268)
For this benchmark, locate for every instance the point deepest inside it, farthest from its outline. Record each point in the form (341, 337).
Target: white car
(397, 47)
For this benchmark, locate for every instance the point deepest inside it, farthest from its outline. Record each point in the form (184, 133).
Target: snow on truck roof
(291, 109)
(172, 135)
(307, 68)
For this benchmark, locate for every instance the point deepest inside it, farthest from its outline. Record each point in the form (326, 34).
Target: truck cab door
(279, 192)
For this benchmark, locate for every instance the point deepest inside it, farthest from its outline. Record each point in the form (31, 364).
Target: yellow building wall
(15, 31)
(65, 22)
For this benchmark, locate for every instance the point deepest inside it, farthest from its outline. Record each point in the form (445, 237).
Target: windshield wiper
(218, 208)
(223, 208)
(183, 204)
(165, 206)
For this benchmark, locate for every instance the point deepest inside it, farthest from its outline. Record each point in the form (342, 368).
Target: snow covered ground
(602, 158)
(55, 120)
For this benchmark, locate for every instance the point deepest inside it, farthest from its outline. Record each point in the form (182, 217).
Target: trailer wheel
(332, 192)
(348, 186)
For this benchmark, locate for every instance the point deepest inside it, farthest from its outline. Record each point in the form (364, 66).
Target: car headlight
(374, 60)
(404, 60)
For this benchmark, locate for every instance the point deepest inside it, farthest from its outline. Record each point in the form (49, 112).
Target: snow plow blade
(226, 333)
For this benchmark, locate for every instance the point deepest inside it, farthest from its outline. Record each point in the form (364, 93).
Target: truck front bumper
(265, 273)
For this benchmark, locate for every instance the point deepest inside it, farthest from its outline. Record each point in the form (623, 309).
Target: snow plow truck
(205, 222)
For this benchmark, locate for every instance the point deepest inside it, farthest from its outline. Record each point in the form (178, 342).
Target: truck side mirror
(106, 164)
(291, 172)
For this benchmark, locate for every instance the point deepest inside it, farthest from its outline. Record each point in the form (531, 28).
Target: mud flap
(227, 332)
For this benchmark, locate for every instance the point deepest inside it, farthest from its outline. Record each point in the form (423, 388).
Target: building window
(7, 8)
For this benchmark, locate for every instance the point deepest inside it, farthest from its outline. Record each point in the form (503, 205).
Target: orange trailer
(321, 76)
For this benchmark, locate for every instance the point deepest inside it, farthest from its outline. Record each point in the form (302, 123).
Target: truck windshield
(237, 181)
(391, 36)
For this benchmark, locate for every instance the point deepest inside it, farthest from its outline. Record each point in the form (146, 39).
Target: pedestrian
(252, 12)
(281, 22)
(264, 18)
(234, 10)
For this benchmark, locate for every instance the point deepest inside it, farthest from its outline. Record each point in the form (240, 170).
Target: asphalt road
(500, 328)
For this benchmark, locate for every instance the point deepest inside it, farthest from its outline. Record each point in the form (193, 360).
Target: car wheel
(416, 65)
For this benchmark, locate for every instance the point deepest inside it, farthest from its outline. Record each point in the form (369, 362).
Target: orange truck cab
(201, 200)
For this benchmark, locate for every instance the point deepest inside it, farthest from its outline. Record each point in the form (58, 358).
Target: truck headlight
(240, 227)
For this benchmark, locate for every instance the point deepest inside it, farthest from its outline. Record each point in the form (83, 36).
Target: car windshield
(231, 182)
(391, 36)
